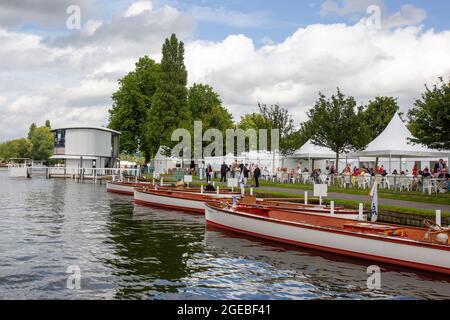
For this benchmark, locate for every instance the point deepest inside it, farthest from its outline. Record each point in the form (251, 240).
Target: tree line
(153, 100)
(38, 145)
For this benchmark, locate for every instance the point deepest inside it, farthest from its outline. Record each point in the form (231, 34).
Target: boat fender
(442, 238)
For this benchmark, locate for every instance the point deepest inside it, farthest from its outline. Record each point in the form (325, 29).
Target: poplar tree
(169, 109)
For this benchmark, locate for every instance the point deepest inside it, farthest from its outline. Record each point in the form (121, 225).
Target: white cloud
(407, 16)
(138, 7)
(363, 62)
(42, 12)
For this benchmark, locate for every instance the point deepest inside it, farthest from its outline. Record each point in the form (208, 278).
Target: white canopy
(67, 157)
(394, 142)
(312, 151)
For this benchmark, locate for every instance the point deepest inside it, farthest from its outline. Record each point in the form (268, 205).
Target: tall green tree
(429, 119)
(279, 118)
(47, 124)
(33, 127)
(273, 117)
(300, 136)
(18, 148)
(253, 121)
(169, 109)
(42, 143)
(205, 105)
(378, 113)
(131, 103)
(334, 123)
(364, 130)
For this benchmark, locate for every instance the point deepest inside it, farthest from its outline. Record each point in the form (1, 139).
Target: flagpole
(374, 205)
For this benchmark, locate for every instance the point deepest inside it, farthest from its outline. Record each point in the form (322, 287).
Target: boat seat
(249, 200)
(375, 229)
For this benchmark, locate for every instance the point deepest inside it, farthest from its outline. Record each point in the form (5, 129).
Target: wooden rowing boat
(419, 248)
(174, 199)
(127, 188)
(195, 202)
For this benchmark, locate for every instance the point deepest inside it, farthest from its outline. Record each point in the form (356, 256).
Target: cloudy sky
(270, 51)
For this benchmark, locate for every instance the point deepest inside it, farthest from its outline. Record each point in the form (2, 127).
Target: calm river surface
(130, 252)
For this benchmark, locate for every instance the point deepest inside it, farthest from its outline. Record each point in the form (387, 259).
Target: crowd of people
(245, 172)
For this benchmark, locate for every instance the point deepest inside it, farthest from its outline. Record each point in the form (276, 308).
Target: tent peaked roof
(310, 150)
(394, 141)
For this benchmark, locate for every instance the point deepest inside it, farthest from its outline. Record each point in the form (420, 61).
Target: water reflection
(151, 249)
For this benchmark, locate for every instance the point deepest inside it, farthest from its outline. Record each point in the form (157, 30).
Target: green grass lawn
(440, 198)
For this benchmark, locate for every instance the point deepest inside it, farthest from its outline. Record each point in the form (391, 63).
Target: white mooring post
(438, 218)
(251, 191)
(320, 200)
(360, 212)
(332, 207)
(153, 182)
(162, 181)
(201, 189)
(218, 190)
(306, 197)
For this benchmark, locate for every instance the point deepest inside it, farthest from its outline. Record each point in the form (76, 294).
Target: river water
(123, 251)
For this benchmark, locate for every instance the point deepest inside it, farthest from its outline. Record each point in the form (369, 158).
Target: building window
(60, 138)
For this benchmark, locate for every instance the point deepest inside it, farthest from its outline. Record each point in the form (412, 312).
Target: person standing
(246, 173)
(208, 172)
(223, 172)
(257, 175)
(234, 168)
(440, 166)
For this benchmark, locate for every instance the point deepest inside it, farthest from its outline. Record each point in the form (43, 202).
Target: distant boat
(418, 248)
(179, 199)
(195, 202)
(127, 188)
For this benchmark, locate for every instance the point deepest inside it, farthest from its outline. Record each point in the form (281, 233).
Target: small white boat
(418, 248)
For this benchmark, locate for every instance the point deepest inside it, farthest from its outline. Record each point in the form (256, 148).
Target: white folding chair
(390, 181)
(347, 181)
(429, 185)
(361, 182)
(405, 183)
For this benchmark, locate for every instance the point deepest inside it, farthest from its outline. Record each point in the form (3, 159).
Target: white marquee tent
(311, 153)
(394, 142)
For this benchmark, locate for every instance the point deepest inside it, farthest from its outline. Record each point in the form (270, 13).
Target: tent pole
(390, 163)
